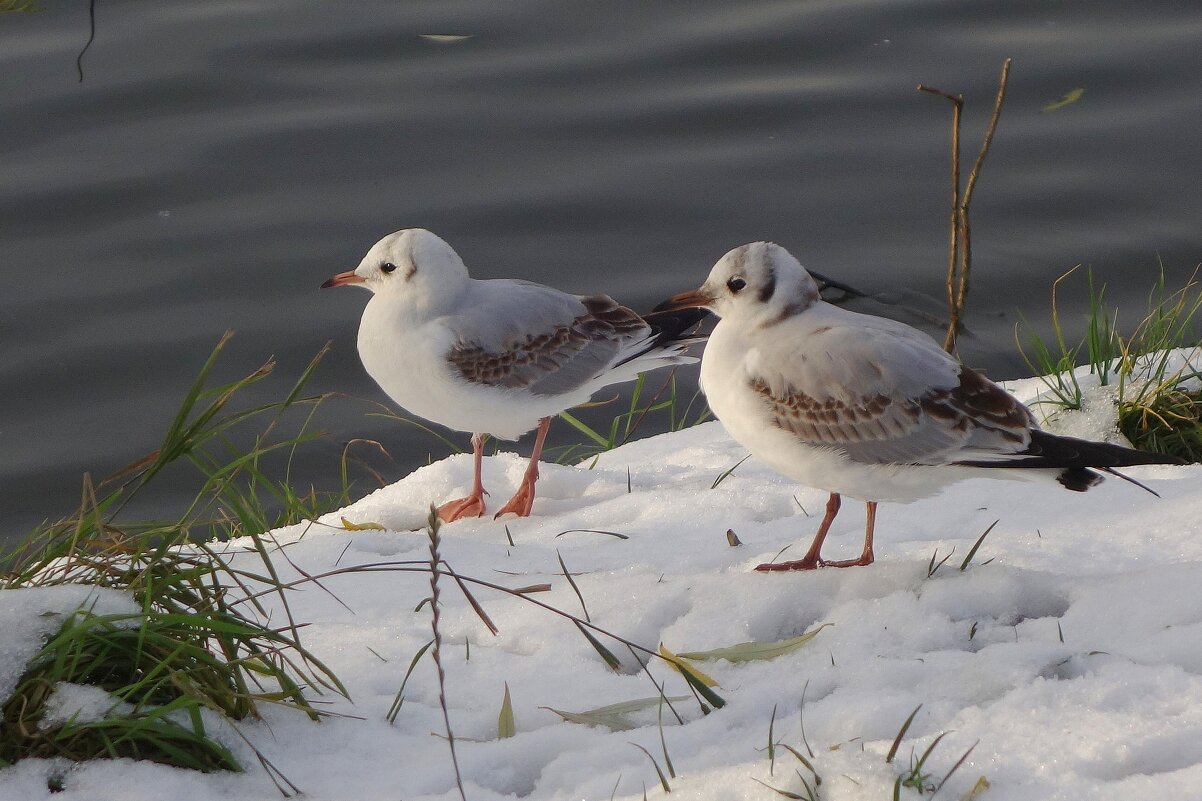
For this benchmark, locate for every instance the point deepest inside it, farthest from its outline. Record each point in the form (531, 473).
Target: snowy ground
(1069, 651)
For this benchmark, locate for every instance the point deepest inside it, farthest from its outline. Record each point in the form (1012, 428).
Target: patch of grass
(915, 775)
(666, 410)
(1169, 421)
(666, 407)
(1160, 401)
(158, 664)
(201, 648)
(1158, 392)
(1055, 362)
(808, 786)
(201, 642)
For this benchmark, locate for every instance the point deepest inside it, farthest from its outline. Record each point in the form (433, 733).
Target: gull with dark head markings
(860, 405)
(495, 357)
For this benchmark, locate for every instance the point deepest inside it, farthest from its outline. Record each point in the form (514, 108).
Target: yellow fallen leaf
(349, 526)
(1067, 100)
(981, 786)
(683, 667)
(505, 723)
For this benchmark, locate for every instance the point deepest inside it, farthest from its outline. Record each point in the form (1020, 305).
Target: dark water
(220, 159)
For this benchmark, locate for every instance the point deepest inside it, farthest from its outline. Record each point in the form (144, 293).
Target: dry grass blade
(663, 780)
(901, 733)
(963, 758)
(614, 663)
(567, 574)
(663, 740)
(615, 717)
(471, 599)
(532, 588)
(778, 791)
(658, 687)
(801, 716)
(399, 700)
(928, 752)
(933, 566)
(347, 456)
(772, 742)
(975, 546)
(593, 531)
(433, 525)
(728, 472)
(752, 651)
(801, 758)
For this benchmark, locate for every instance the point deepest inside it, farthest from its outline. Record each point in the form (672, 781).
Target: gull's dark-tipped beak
(686, 300)
(342, 279)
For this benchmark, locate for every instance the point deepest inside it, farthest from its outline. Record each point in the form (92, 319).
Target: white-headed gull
(495, 357)
(860, 405)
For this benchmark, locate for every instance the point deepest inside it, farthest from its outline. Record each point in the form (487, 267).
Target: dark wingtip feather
(673, 325)
(1085, 453)
(1076, 457)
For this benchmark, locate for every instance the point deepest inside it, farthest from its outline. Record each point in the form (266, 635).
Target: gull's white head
(759, 283)
(412, 265)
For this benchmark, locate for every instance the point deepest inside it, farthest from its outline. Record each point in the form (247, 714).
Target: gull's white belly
(409, 364)
(745, 416)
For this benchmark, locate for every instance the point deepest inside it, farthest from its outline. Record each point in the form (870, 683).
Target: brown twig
(435, 560)
(959, 266)
(953, 255)
(965, 227)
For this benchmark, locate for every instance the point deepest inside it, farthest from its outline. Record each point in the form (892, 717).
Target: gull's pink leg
(472, 505)
(812, 559)
(866, 555)
(523, 499)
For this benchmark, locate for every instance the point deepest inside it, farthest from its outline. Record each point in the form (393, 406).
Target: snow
(31, 615)
(1069, 650)
(80, 703)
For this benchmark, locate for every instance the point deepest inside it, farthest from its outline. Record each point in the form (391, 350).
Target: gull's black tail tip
(1079, 460)
(1080, 455)
(677, 324)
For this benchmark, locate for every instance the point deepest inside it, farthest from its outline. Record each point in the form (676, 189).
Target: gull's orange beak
(342, 279)
(686, 300)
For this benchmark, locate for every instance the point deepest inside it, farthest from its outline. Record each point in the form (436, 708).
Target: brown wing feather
(977, 414)
(557, 360)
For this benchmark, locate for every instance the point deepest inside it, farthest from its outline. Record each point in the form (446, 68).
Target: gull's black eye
(736, 284)
(387, 267)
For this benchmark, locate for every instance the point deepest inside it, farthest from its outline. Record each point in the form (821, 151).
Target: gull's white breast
(727, 372)
(409, 362)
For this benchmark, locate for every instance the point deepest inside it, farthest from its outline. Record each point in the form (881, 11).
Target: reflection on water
(220, 159)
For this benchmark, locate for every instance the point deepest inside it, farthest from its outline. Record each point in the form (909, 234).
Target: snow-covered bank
(1069, 650)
